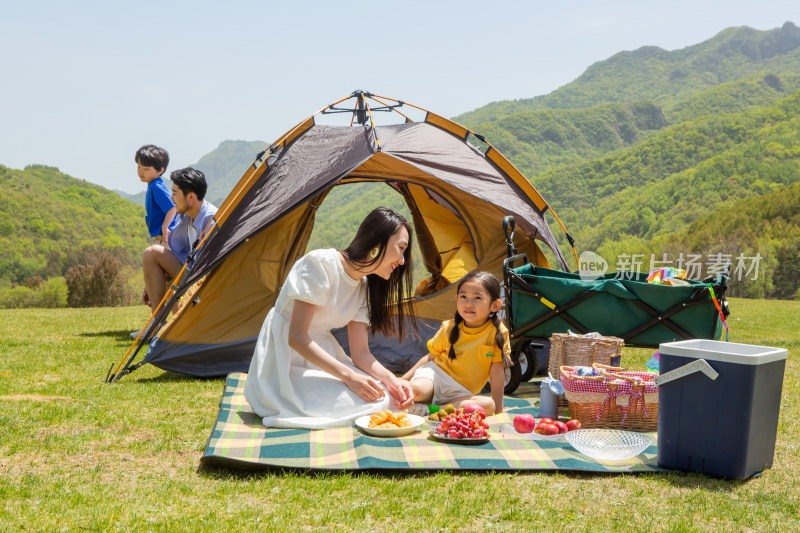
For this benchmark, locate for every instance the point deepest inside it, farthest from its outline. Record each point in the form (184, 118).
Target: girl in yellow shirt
(466, 351)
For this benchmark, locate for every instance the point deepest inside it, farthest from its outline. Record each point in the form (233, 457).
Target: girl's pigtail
(454, 334)
(499, 340)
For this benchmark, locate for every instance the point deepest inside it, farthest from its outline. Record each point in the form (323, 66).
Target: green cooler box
(726, 426)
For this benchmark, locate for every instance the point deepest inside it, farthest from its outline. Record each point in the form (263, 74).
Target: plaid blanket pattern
(239, 440)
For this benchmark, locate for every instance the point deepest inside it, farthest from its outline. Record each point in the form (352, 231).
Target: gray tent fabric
(202, 360)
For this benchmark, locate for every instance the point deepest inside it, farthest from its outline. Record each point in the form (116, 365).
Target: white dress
(284, 388)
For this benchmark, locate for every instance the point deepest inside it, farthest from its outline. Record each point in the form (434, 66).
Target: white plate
(362, 423)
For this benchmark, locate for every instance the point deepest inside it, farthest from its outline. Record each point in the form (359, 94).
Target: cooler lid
(727, 352)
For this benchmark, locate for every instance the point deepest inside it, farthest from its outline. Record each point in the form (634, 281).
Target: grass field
(79, 454)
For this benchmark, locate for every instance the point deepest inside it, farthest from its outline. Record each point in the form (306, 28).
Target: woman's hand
(365, 387)
(401, 392)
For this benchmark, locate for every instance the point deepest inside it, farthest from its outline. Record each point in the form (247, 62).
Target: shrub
(34, 282)
(16, 297)
(52, 294)
(95, 285)
(132, 285)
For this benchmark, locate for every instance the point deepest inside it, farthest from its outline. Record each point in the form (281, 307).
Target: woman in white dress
(300, 377)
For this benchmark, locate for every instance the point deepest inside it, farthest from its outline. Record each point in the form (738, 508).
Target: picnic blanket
(239, 440)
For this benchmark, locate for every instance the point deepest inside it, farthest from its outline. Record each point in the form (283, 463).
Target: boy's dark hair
(190, 180)
(492, 287)
(151, 155)
(390, 310)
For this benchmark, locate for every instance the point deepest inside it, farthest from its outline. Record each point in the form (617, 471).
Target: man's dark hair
(151, 155)
(190, 180)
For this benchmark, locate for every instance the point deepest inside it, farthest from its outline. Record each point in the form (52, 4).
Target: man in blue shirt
(195, 215)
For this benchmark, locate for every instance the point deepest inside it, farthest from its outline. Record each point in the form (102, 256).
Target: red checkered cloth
(623, 390)
(575, 384)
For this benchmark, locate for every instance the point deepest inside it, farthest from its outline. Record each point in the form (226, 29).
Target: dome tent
(456, 193)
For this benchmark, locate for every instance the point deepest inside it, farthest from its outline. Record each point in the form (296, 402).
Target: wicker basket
(573, 350)
(614, 399)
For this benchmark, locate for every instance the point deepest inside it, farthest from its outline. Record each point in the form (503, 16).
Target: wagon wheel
(528, 361)
(513, 377)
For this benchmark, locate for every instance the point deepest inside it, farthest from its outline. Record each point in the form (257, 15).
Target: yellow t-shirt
(475, 353)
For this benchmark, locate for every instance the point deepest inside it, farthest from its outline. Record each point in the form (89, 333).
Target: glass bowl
(608, 444)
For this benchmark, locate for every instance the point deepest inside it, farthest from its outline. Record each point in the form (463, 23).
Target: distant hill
(540, 140)
(664, 77)
(225, 165)
(759, 236)
(685, 172)
(137, 198)
(50, 221)
(734, 97)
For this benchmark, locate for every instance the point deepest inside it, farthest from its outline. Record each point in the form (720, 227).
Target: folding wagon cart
(541, 301)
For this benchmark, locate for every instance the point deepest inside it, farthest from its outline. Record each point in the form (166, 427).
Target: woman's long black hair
(385, 298)
(492, 287)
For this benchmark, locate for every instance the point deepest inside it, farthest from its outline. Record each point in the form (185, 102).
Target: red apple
(573, 424)
(470, 408)
(546, 421)
(562, 427)
(524, 423)
(548, 429)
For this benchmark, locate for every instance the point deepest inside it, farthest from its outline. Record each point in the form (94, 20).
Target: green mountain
(684, 173)
(758, 236)
(735, 97)
(665, 77)
(137, 198)
(50, 221)
(225, 166)
(537, 141)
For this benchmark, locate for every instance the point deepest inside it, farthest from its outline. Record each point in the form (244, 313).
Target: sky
(84, 83)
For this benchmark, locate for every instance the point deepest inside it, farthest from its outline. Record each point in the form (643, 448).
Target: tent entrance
(443, 249)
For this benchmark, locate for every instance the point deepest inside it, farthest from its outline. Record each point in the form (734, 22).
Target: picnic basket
(578, 350)
(613, 399)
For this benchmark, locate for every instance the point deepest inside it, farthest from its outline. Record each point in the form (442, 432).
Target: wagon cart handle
(508, 228)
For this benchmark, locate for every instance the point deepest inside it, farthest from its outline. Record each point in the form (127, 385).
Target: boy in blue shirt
(151, 162)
